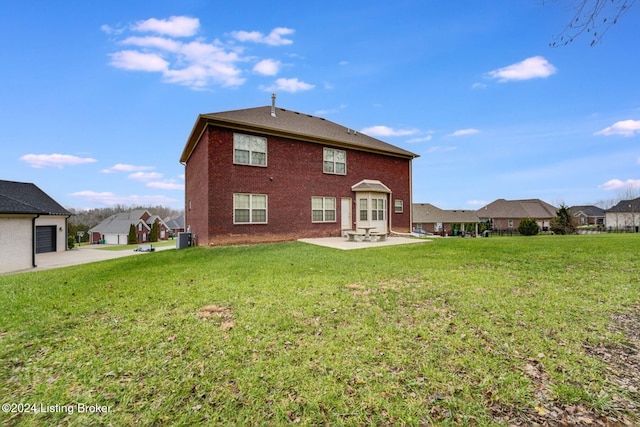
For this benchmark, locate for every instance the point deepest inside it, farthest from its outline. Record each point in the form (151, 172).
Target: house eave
(205, 120)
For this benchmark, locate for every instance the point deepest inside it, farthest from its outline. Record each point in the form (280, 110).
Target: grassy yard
(455, 331)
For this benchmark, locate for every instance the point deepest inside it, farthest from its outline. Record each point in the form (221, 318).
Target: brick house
(505, 215)
(588, 215)
(267, 174)
(431, 219)
(114, 230)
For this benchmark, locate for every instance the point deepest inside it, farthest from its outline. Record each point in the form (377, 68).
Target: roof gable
(27, 198)
(589, 211)
(428, 213)
(530, 208)
(293, 125)
(626, 206)
(121, 222)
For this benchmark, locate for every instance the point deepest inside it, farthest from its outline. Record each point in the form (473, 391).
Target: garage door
(45, 239)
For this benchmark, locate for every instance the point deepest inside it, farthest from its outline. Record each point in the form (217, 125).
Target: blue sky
(97, 99)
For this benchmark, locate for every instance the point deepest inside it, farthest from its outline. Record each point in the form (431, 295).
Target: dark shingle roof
(27, 198)
(119, 223)
(530, 208)
(292, 124)
(175, 223)
(591, 211)
(626, 206)
(427, 213)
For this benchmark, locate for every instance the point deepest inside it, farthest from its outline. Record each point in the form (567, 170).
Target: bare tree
(594, 17)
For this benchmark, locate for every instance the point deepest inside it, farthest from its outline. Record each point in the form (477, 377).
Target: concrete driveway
(81, 255)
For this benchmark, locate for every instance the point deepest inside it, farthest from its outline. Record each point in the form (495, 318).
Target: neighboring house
(115, 229)
(268, 174)
(588, 215)
(505, 215)
(624, 216)
(176, 225)
(429, 218)
(31, 223)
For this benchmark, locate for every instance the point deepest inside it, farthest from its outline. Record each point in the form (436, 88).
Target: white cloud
(478, 85)
(166, 185)
(110, 30)
(196, 63)
(289, 85)
(464, 132)
(126, 168)
(327, 111)
(267, 67)
(138, 61)
(420, 139)
(387, 131)
(162, 43)
(108, 199)
(477, 202)
(145, 176)
(274, 38)
(616, 184)
(175, 26)
(530, 68)
(54, 160)
(624, 128)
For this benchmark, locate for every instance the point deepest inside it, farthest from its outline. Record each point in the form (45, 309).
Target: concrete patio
(343, 244)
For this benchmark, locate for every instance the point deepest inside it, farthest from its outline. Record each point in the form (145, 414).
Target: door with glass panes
(372, 211)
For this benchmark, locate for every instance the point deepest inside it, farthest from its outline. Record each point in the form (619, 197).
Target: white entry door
(345, 213)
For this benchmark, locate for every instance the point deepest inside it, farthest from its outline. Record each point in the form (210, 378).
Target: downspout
(33, 240)
(66, 232)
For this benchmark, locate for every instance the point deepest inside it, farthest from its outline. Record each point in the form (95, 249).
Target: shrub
(564, 222)
(528, 227)
(132, 239)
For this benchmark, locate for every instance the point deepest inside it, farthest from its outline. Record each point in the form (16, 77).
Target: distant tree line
(85, 219)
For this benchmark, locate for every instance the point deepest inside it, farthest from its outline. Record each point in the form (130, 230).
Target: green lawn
(455, 331)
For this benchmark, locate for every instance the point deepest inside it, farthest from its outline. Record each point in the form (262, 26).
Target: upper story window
(335, 161)
(249, 150)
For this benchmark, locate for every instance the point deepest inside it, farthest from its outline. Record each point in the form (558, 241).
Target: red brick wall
(196, 191)
(292, 176)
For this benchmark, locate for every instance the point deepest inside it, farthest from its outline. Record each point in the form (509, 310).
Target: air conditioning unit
(184, 240)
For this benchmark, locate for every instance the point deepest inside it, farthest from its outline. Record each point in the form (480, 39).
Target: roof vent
(273, 105)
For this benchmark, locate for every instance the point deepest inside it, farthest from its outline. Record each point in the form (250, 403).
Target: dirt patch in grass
(221, 313)
(622, 366)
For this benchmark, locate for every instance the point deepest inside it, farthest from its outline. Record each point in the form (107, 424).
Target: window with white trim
(323, 209)
(398, 206)
(249, 208)
(249, 150)
(334, 161)
(377, 209)
(363, 210)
